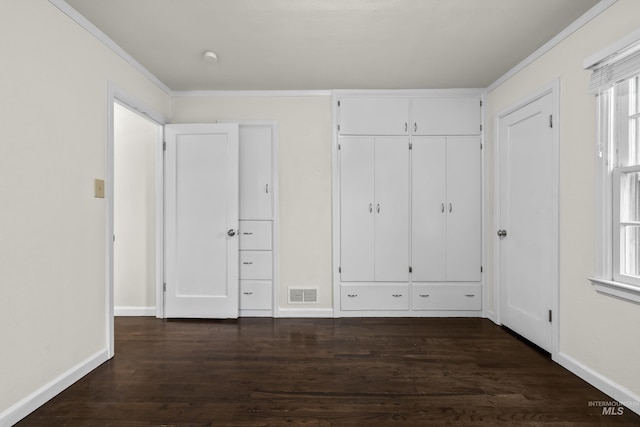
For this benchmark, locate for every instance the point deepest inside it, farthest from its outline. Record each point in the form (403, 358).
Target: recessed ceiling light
(210, 56)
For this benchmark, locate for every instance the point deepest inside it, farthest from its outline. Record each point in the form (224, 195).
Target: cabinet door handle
(378, 208)
(424, 295)
(450, 208)
(247, 233)
(470, 295)
(406, 126)
(266, 188)
(442, 208)
(415, 126)
(352, 295)
(248, 293)
(370, 207)
(247, 262)
(397, 295)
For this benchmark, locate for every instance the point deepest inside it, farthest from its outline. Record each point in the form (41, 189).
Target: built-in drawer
(256, 265)
(256, 294)
(255, 235)
(374, 297)
(446, 296)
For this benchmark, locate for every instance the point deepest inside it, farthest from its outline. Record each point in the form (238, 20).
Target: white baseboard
(24, 407)
(134, 311)
(305, 313)
(626, 397)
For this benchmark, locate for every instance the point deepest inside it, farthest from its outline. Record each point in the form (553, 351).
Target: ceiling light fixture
(210, 56)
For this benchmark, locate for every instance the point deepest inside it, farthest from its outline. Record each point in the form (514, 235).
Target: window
(616, 83)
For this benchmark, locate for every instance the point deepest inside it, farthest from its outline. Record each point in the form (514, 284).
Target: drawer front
(256, 265)
(255, 235)
(255, 295)
(374, 297)
(446, 297)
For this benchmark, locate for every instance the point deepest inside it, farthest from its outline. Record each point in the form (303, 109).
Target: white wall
(597, 331)
(134, 276)
(53, 81)
(304, 128)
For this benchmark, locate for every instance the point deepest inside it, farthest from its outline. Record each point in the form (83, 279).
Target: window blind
(620, 66)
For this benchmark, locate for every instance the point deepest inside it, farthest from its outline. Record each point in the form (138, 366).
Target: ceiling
(330, 44)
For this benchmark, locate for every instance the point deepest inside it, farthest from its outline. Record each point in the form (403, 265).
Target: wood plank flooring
(325, 372)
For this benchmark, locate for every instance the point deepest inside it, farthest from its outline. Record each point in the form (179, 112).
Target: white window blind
(618, 67)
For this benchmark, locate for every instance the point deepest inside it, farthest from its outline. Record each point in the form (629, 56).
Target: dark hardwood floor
(325, 372)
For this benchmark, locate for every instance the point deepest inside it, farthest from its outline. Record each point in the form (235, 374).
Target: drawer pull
(248, 293)
(352, 295)
(424, 295)
(247, 233)
(397, 295)
(248, 262)
(470, 295)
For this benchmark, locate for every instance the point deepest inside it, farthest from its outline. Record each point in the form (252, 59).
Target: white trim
(108, 42)
(255, 313)
(552, 88)
(42, 395)
(250, 93)
(611, 50)
(449, 93)
(305, 313)
(592, 13)
(134, 311)
(615, 289)
(115, 94)
(623, 395)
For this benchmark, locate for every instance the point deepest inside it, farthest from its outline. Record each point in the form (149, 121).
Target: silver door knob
(231, 232)
(502, 233)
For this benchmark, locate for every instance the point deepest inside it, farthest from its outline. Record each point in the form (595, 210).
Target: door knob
(231, 232)
(502, 233)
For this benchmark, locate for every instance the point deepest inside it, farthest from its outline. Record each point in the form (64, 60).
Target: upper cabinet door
(256, 172)
(445, 116)
(374, 116)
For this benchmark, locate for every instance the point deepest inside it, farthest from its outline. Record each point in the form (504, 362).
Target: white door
(391, 209)
(527, 220)
(428, 214)
(256, 187)
(357, 199)
(201, 217)
(445, 116)
(463, 209)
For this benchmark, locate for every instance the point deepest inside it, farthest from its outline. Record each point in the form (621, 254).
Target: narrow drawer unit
(255, 235)
(374, 297)
(256, 265)
(255, 295)
(446, 296)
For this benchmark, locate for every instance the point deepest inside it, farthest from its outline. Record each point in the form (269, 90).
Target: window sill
(617, 289)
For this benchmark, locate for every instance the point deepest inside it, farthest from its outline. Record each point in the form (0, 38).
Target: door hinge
(481, 102)
(410, 269)
(164, 287)
(339, 269)
(550, 316)
(480, 128)
(410, 146)
(338, 103)
(551, 120)
(481, 145)
(481, 269)
(338, 128)
(164, 145)
(339, 146)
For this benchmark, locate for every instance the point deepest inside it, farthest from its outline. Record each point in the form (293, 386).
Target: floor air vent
(303, 295)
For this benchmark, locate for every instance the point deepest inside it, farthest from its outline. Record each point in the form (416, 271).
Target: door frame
(552, 88)
(116, 94)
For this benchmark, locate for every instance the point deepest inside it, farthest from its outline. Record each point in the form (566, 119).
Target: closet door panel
(391, 209)
(463, 209)
(374, 116)
(445, 116)
(256, 187)
(356, 209)
(428, 215)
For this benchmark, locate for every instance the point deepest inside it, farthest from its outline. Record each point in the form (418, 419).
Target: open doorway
(134, 213)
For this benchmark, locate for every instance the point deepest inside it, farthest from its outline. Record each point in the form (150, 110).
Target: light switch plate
(98, 188)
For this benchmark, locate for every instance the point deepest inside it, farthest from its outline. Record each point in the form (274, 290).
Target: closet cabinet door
(445, 116)
(428, 216)
(374, 116)
(463, 209)
(357, 161)
(391, 209)
(256, 201)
